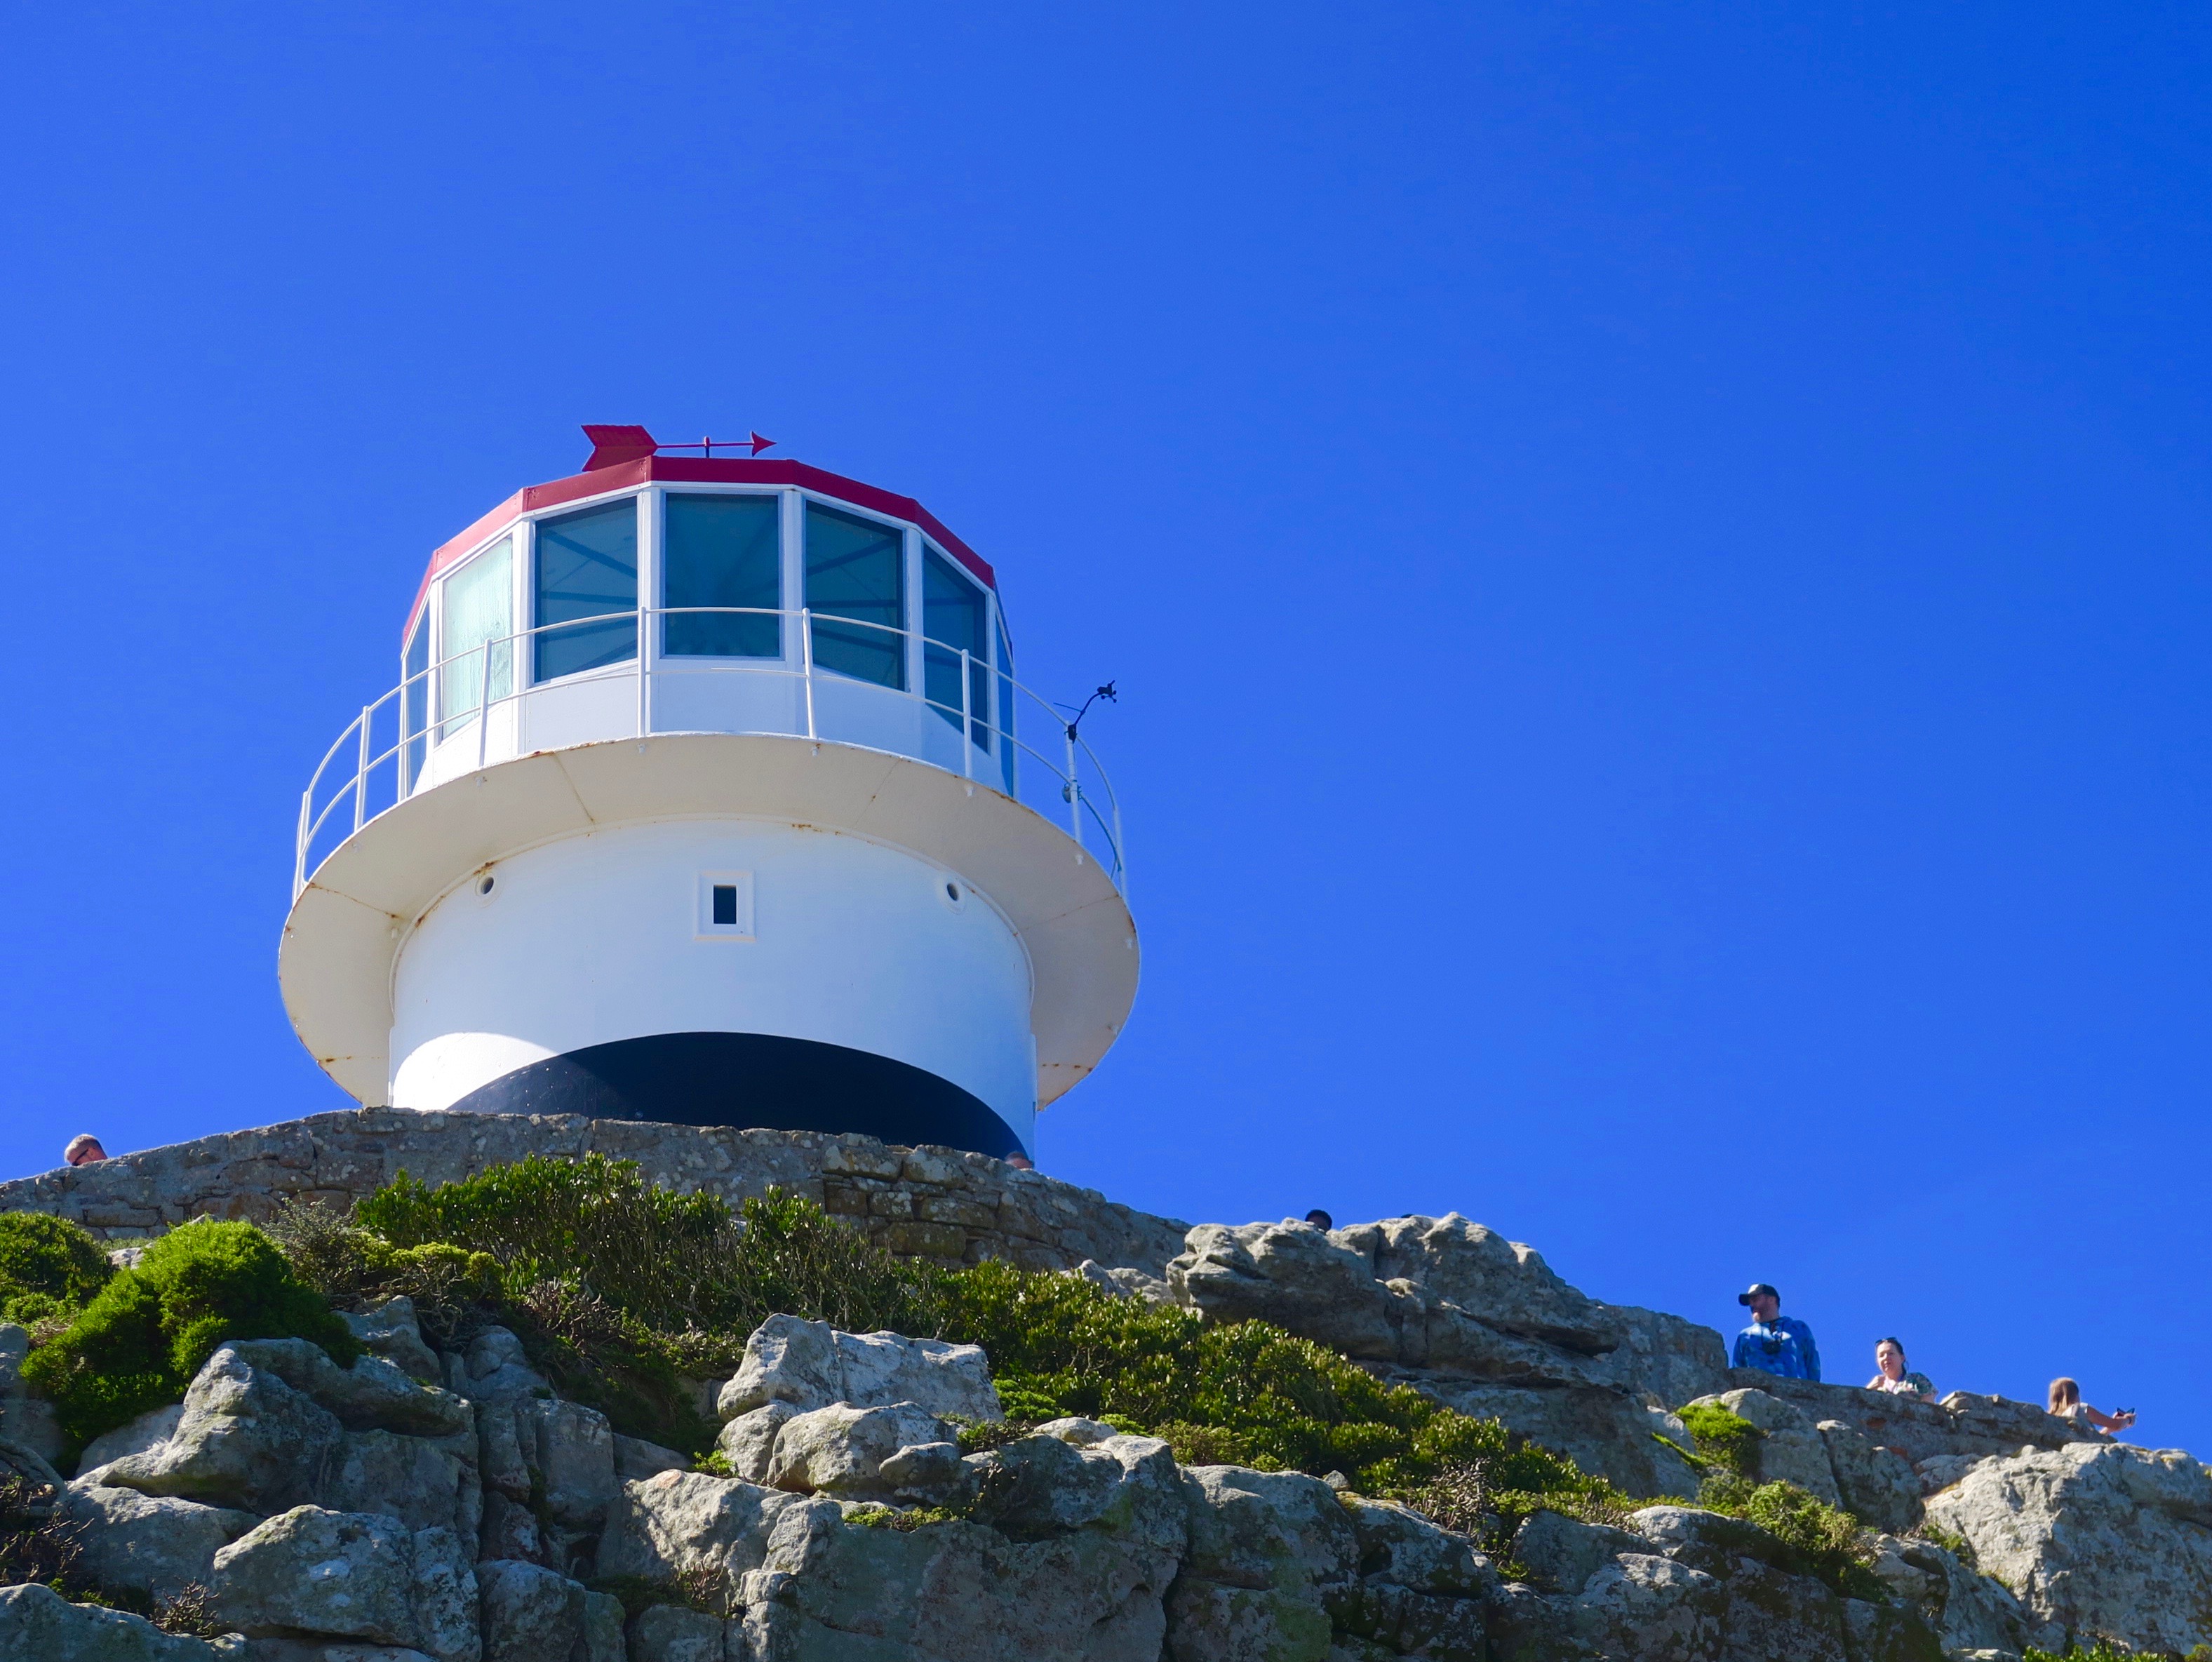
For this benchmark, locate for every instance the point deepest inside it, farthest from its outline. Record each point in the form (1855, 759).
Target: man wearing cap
(1774, 1342)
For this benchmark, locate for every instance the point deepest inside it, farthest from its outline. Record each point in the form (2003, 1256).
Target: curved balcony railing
(405, 741)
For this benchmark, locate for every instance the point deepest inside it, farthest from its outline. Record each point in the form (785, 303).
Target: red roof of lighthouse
(621, 466)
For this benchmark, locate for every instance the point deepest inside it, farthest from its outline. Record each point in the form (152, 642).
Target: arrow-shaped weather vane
(752, 439)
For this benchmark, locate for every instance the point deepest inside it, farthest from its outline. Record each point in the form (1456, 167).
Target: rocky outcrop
(1479, 1323)
(2107, 1542)
(936, 1203)
(420, 1506)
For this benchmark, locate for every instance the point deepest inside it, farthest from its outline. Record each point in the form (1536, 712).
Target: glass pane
(1005, 725)
(586, 567)
(477, 604)
(953, 618)
(856, 568)
(415, 697)
(723, 552)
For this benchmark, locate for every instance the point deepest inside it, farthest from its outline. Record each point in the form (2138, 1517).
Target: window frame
(910, 660)
(783, 653)
(648, 530)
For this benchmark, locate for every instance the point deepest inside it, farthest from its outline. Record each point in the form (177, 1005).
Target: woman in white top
(2066, 1403)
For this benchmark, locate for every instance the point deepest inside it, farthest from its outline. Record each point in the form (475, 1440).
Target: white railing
(359, 777)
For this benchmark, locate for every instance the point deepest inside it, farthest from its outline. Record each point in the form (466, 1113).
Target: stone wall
(936, 1203)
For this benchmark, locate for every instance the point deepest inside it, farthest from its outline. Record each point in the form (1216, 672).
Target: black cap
(1757, 1287)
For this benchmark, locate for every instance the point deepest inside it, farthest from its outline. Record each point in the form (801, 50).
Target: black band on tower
(752, 1080)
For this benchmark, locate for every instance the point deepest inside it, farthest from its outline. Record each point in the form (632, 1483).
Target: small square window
(724, 907)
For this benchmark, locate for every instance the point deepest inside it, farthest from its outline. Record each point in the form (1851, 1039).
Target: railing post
(1074, 794)
(644, 681)
(967, 744)
(806, 662)
(361, 774)
(300, 843)
(484, 705)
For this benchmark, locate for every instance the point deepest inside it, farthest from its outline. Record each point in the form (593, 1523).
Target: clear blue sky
(1655, 556)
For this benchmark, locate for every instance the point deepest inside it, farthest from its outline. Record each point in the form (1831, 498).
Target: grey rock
(811, 1365)
(392, 1331)
(370, 1395)
(37, 1624)
(1299, 1277)
(424, 1483)
(495, 1369)
(154, 1546)
(841, 1450)
(1970, 1612)
(928, 1474)
(244, 1439)
(444, 1597)
(350, 1576)
(603, 1629)
(830, 1588)
(1562, 1554)
(635, 1457)
(343, 1575)
(531, 1614)
(672, 1633)
(1039, 1487)
(1945, 1470)
(325, 1650)
(1268, 1530)
(1399, 1546)
(156, 1425)
(682, 1522)
(748, 1442)
(509, 1530)
(2110, 1543)
(569, 1452)
(1643, 1605)
(1877, 1484)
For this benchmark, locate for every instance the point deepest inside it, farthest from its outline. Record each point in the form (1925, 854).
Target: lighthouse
(707, 793)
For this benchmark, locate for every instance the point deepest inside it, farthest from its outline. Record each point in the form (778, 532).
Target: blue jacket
(1784, 1347)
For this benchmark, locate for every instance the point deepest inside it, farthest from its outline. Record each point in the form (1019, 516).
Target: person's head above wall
(83, 1149)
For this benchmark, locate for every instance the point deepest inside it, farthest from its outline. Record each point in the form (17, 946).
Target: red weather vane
(613, 446)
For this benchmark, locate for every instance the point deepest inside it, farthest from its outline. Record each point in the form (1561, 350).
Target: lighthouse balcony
(803, 674)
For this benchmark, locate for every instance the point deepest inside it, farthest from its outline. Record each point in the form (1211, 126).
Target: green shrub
(2102, 1653)
(671, 1263)
(48, 1266)
(1728, 1443)
(1243, 1394)
(1823, 1542)
(138, 1343)
(619, 1289)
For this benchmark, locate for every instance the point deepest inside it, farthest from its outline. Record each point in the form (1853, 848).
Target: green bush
(1727, 1442)
(619, 1289)
(1243, 1394)
(47, 1267)
(672, 1263)
(1823, 1542)
(139, 1341)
